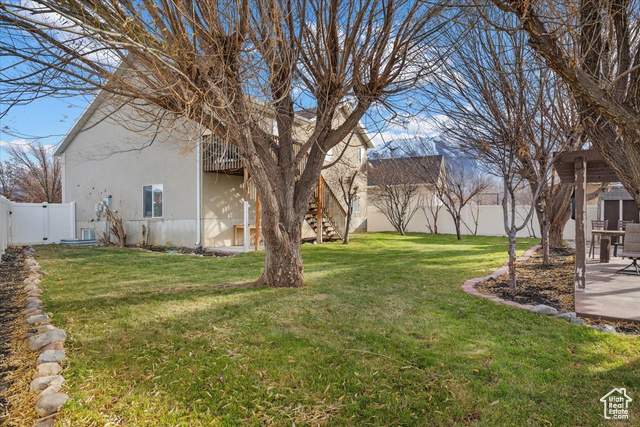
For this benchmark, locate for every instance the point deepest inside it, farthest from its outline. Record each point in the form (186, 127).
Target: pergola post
(580, 205)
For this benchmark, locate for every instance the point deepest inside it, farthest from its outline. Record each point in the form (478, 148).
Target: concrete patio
(609, 295)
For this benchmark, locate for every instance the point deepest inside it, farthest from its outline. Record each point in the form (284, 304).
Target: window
(88, 234)
(355, 207)
(329, 155)
(360, 155)
(152, 201)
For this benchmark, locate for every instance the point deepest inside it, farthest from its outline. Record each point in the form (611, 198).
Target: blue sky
(46, 120)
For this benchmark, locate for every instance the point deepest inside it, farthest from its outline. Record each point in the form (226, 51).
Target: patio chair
(622, 226)
(596, 225)
(631, 249)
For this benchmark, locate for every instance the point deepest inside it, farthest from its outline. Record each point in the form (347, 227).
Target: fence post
(73, 219)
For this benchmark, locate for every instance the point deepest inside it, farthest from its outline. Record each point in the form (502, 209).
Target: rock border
(545, 310)
(469, 285)
(46, 339)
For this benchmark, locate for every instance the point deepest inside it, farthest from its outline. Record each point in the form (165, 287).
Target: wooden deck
(609, 295)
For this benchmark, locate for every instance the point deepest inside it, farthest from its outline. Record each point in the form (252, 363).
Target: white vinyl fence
(4, 224)
(35, 223)
(490, 222)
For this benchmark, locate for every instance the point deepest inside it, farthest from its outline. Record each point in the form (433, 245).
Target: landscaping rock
(41, 383)
(32, 311)
(544, 309)
(42, 340)
(38, 318)
(45, 328)
(33, 304)
(30, 287)
(56, 345)
(51, 403)
(577, 321)
(33, 299)
(47, 369)
(50, 356)
(567, 316)
(48, 422)
(54, 386)
(610, 329)
(34, 293)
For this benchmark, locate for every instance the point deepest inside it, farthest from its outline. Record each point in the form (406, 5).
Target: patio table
(605, 242)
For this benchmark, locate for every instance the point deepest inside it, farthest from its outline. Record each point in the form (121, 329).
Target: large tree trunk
(556, 231)
(283, 257)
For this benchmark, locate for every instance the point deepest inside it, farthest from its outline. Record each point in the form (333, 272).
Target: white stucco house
(182, 186)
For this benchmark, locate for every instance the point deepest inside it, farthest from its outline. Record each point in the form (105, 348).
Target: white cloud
(420, 126)
(17, 143)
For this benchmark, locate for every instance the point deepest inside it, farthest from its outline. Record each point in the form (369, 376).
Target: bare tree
(40, 174)
(593, 46)
(395, 189)
(490, 92)
(349, 176)
(223, 65)
(454, 181)
(431, 207)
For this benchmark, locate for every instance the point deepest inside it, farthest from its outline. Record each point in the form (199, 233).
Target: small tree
(349, 177)
(454, 180)
(490, 92)
(431, 207)
(395, 190)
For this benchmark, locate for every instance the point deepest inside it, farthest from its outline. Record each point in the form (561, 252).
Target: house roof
(616, 193)
(307, 115)
(78, 125)
(406, 164)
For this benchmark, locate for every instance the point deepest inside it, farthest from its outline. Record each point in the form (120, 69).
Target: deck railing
(219, 155)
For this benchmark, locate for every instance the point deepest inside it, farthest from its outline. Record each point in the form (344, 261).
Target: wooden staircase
(332, 214)
(329, 233)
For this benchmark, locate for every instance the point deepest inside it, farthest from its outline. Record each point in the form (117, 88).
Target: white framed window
(88, 234)
(329, 156)
(152, 201)
(360, 155)
(355, 207)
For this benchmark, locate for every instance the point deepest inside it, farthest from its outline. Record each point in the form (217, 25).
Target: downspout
(199, 191)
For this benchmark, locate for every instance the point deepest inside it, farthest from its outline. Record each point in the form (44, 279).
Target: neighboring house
(179, 187)
(617, 204)
(403, 171)
(397, 188)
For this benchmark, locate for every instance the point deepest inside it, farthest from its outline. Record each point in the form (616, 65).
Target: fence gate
(40, 223)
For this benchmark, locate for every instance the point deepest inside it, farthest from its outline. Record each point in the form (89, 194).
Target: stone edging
(49, 342)
(469, 285)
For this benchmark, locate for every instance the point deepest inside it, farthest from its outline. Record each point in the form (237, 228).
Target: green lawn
(381, 334)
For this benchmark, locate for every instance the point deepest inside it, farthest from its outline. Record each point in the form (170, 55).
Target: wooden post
(581, 201)
(319, 212)
(257, 221)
